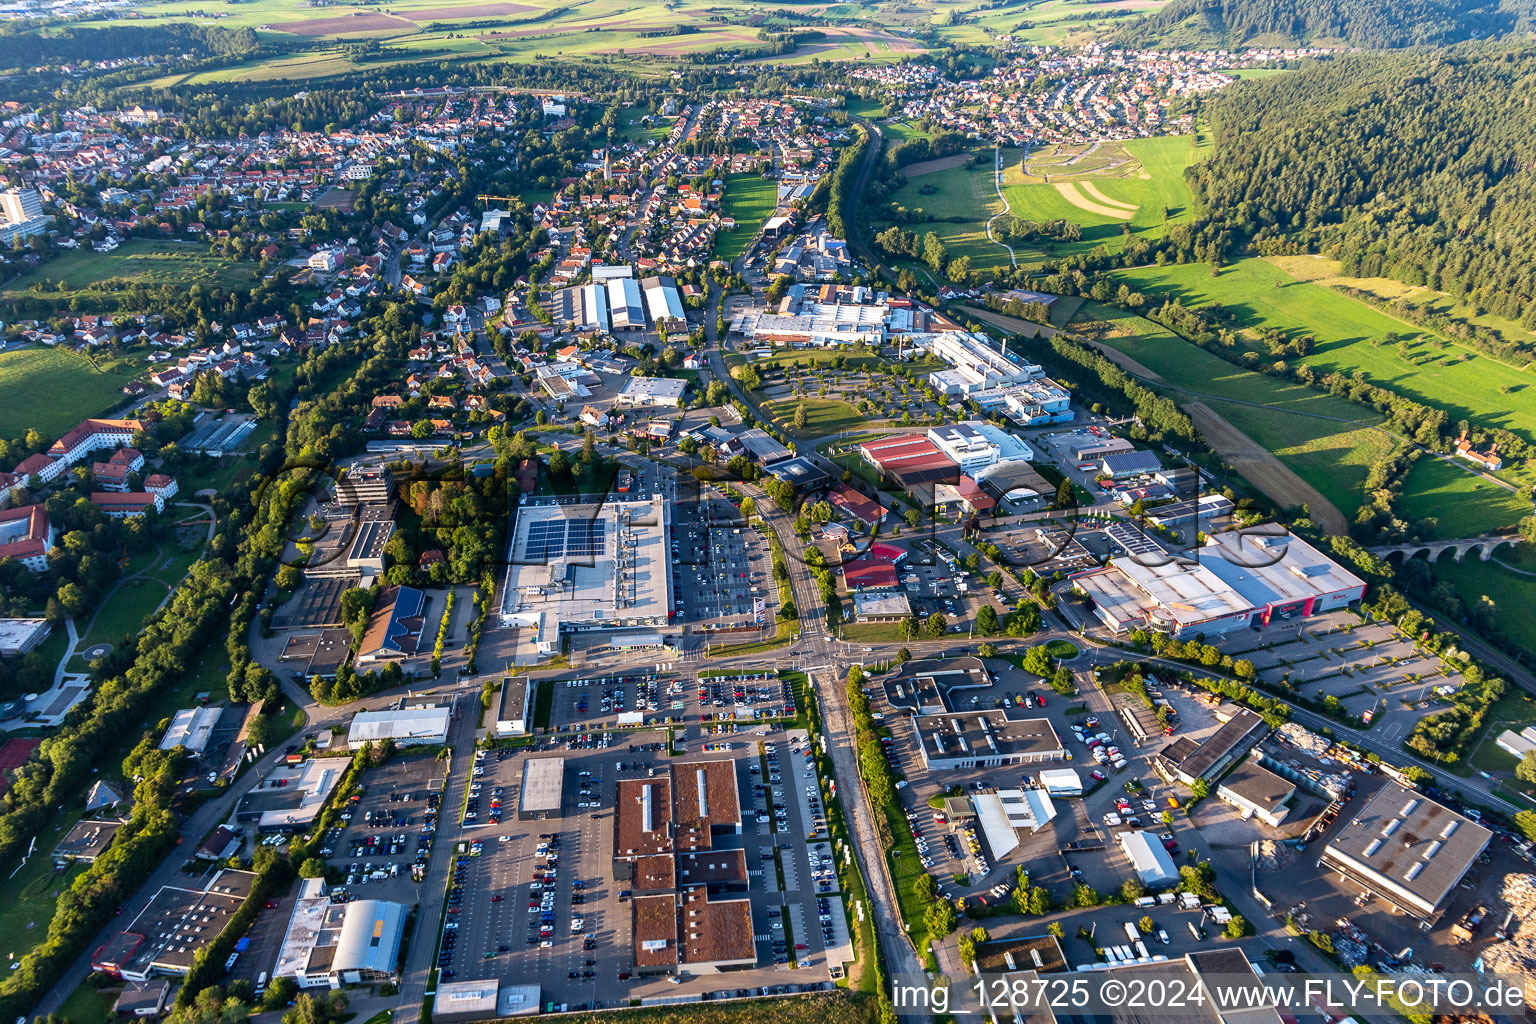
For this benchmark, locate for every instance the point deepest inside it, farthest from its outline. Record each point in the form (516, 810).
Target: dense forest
(1364, 23)
(1418, 166)
(21, 46)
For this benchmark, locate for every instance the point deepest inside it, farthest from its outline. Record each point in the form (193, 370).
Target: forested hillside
(22, 46)
(1374, 24)
(1419, 166)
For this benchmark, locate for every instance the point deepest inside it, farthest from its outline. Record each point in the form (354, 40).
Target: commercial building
(328, 945)
(626, 308)
(759, 446)
(1016, 484)
(912, 459)
(1407, 849)
(21, 636)
(1148, 858)
(1124, 465)
(484, 1000)
(580, 567)
(881, 606)
(973, 445)
(663, 392)
(805, 475)
(983, 365)
(858, 505)
(542, 790)
(690, 911)
(164, 938)
(984, 739)
(1257, 792)
(366, 487)
(291, 796)
(1237, 581)
(27, 536)
(664, 303)
(1185, 760)
(594, 308)
(1004, 813)
(1517, 744)
(191, 728)
(142, 999)
(1201, 510)
(418, 725)
(821, 326)
(395, 627)
(1061, 782)
(514, 706)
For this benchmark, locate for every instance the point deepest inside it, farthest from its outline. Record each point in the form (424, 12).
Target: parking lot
(720, 567)
(587, 705)
(387, 830)
(537, 899)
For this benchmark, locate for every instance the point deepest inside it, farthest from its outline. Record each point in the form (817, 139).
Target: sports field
(1104, 187)
(137, 261)
(52, 390)
(751, 200)
(1464, 505)
(956, 203)
(1348, 333)
(1328, 442)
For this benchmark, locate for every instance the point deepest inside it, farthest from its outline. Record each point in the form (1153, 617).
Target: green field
(1142, 178)
(52, 390)
(1288, 419)
(1435, 371)
(822, 415)
(1464, 505)
(28, 900)
(751, 200)
(1513, 591)
(138, 261)
(959, 201)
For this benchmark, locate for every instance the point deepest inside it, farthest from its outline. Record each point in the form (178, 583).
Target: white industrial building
(1148, 858)
(579, 567)
(974, 445)
(328, 945)
(664, 303)
(661, 392)
(191, 728)
(1236, 580)
(980, 365)
(594, 308)
(626, 309)
(1061, 782)
(415, 726)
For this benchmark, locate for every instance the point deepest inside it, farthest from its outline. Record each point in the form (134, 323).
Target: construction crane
(504, 199)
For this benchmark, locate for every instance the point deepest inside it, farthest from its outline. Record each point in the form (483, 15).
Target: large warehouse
(1407, 849)
(1148, 858)
(1237, 581)
(419, 725)
(598, 566)
(911, 458)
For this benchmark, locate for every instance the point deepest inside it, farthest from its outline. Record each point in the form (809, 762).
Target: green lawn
(88, 1004)
(1465, 505)
(53, 390)
(1434, 371)
(955, 205)
(1514, 592)
(751, 200)
(124, 612)
(1334, 457)
(28, 901)
(822, 415)
(139, 261)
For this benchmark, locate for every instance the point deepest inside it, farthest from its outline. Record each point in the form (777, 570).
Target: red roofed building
(26, 535)
(875, 569)
(94, 435)
(976, 499)
(112, 475)
(910, 458)
(39, 469)
(126, 506)
(861, 507)
(159, 483)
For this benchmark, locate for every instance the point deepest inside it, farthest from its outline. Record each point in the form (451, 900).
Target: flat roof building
(663, 392)
(626, 308)
(514, 706)
(981, 739)
(21, 636)
(1407, 849)
(177, 922)
(911, 458)
(395, 627)
(86, 841)
(291, 796)
(1234, 582)
(805, 475)
(1257, 792)
(973, 445)
(542, 790)
(328, 945)
(1185, 760)
(418, 725)
(596, 566)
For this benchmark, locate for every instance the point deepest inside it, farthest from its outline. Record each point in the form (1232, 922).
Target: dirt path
(1266, 472)
(1026, 328)
(1124, 361)
(997, 185)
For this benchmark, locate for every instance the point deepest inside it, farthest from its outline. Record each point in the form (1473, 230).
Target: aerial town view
(979, 511)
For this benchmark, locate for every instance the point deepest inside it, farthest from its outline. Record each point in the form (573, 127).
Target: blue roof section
(402, 634)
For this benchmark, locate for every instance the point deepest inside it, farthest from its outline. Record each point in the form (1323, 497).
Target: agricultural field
(639, 36)
(1510, 580)
(751, 200)
(1349, 336)
(53, 390)
(959, 200)
(1463, 504)
(137, 261)
(1053, 22)
(1104, 187)
(1328, 442)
